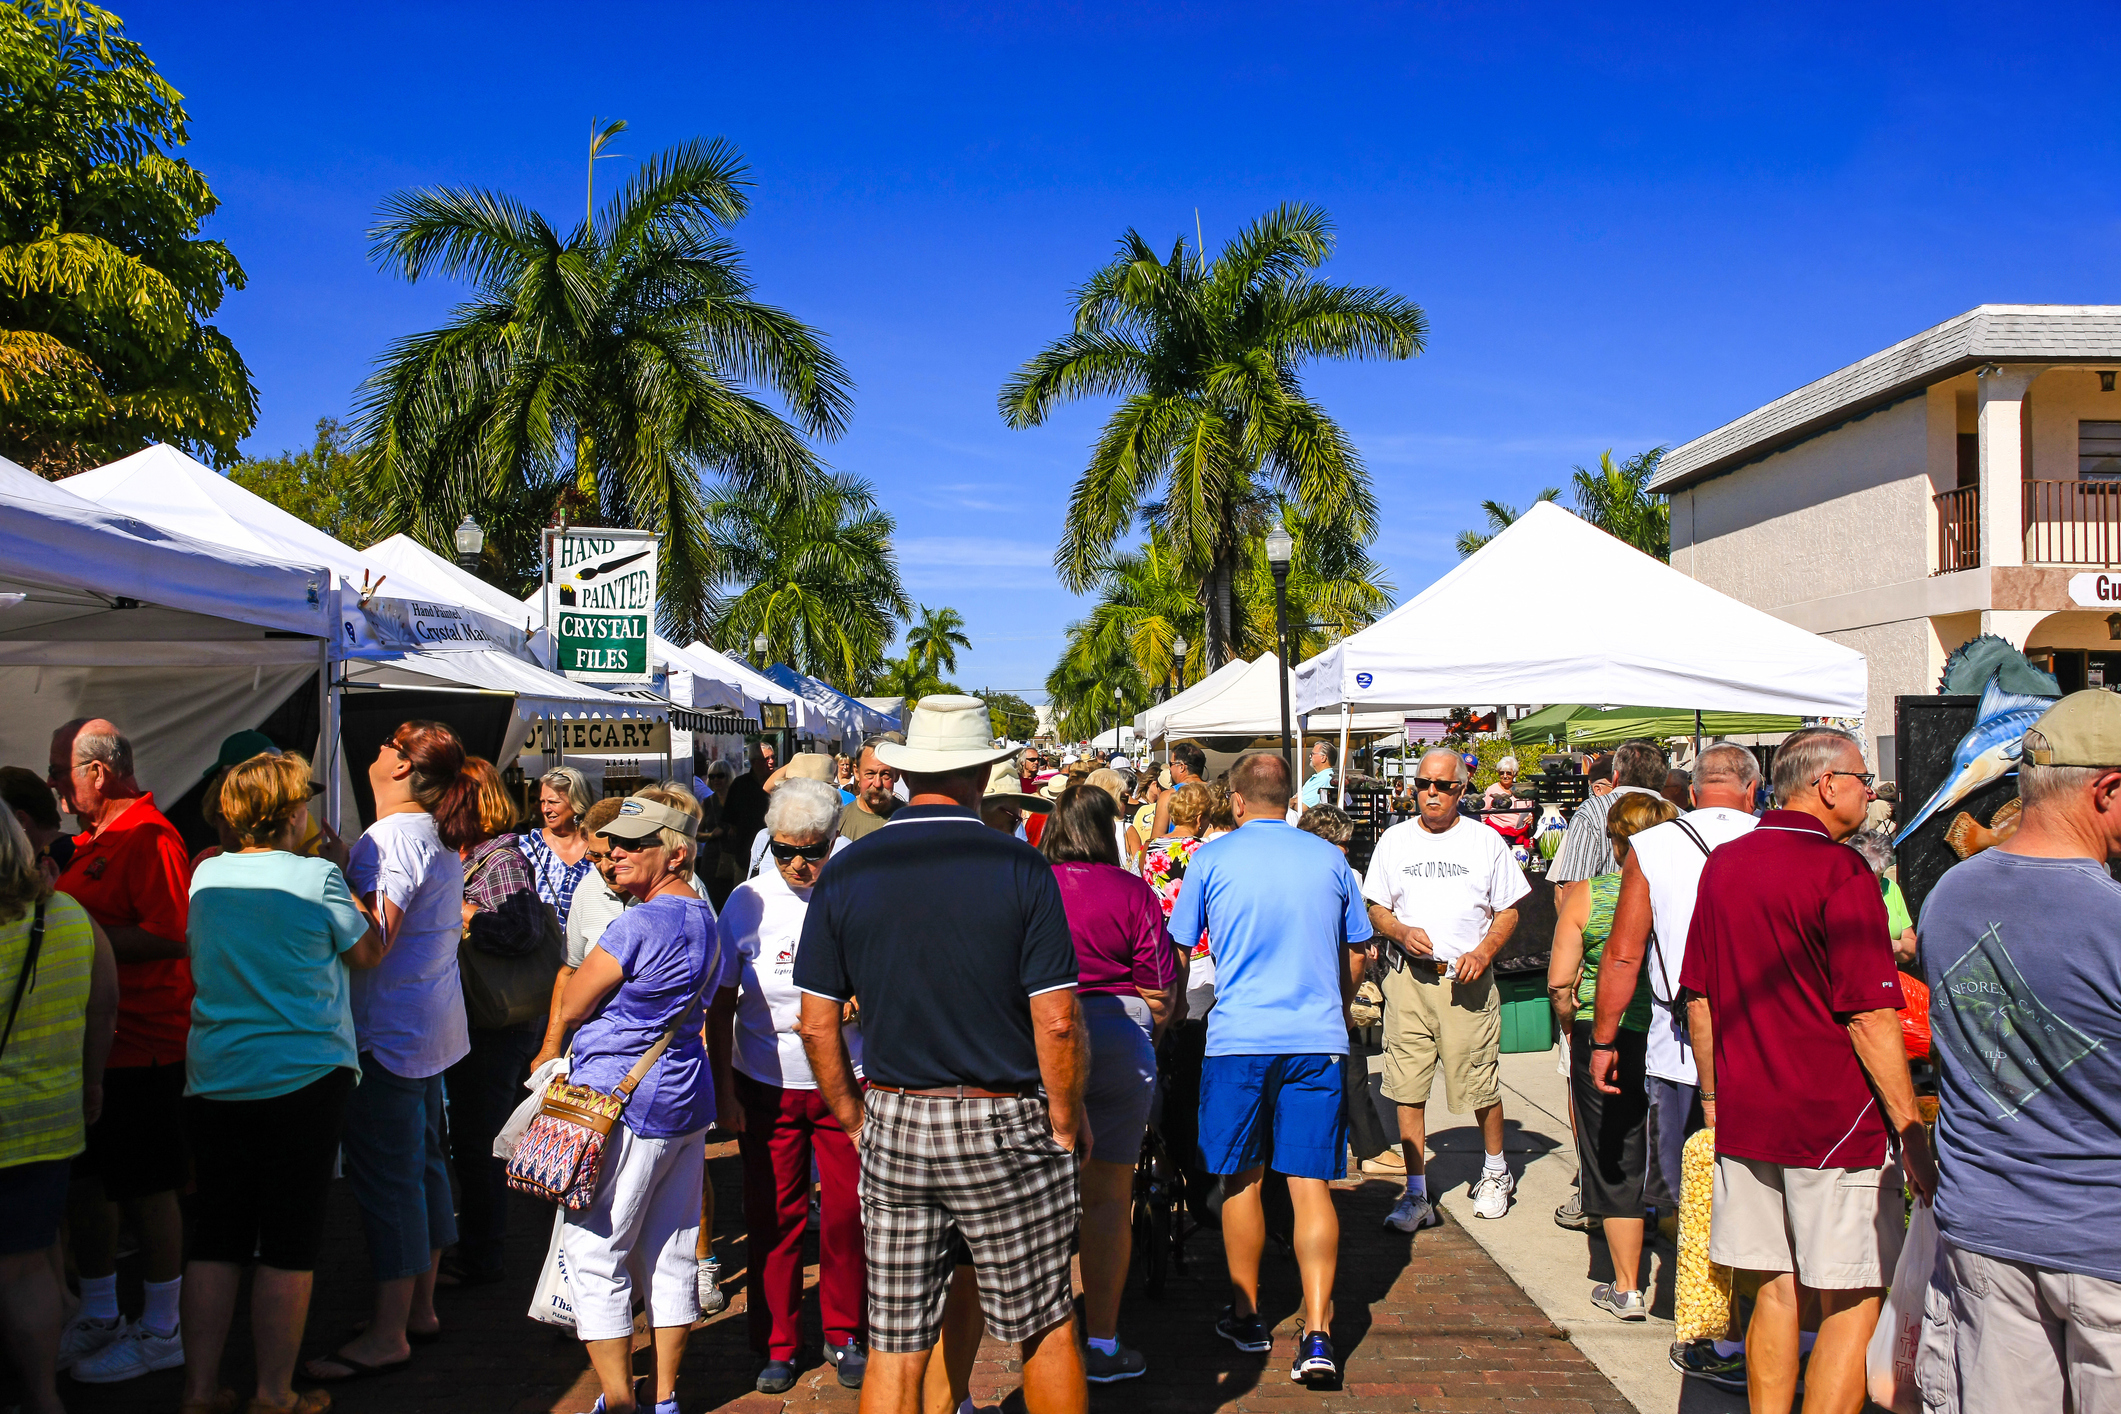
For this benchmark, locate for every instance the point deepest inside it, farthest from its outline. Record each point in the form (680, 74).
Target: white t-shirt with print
(408, 1010)
(1449, 885)
(762, 923)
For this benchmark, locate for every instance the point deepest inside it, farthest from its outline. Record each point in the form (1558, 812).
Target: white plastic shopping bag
(553, 1301)
(504, 1143)
(1889, 1364)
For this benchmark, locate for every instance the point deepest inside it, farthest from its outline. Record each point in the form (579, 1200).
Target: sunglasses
(811, 852)
(1422, 783)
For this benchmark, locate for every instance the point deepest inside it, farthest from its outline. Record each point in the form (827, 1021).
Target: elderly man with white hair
(1442, 891)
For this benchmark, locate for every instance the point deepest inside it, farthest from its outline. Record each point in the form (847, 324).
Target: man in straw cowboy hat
(955, 938)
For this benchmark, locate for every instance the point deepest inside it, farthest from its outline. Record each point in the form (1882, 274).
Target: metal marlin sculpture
(1987, 753)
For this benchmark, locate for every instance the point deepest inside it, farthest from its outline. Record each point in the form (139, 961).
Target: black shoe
(1699, 1359)
(777, 1378)
(850, 1360)
(1247, 1333)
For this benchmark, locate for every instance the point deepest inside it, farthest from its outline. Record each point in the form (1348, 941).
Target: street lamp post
(471, 542)
(1280, 549)
(758, 648)
(1178, 664)
(1115, 719)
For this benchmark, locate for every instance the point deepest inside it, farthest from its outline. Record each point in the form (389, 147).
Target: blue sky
(1627, 225)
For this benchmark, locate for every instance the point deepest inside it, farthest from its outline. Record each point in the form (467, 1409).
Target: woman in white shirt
(787, 1123)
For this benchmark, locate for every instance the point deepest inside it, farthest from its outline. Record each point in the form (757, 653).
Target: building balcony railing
(2066, 523)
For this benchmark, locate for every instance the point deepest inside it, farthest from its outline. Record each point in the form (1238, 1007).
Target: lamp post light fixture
(1178, 664)
(471, 543)
(758, 649)
(1281, 548)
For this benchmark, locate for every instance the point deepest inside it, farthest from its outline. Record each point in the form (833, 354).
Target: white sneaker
(712, 1297)
(1412, 1213)
(137, 1351)
(1491, 1194)
(85, 1337)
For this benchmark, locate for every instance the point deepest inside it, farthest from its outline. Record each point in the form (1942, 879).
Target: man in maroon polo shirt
(131, 872)
(1789, 963)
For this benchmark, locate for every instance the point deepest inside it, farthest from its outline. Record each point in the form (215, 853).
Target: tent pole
(1340, 771)
(328, 730)
(1697, 738)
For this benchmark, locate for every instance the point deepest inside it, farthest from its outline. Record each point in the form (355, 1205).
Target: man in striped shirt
(1585, 851)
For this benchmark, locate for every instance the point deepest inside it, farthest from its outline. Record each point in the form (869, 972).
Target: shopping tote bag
(1889, 1364)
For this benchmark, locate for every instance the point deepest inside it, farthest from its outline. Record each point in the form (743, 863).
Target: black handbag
(502, 991)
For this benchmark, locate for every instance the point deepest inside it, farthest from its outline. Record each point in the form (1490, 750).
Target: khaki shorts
(1430, 1019)
(1837, 1229)
(2016, 1336)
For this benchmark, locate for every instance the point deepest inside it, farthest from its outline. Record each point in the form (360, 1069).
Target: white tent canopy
(1556, 610)
(1150, 721)
(1248, 704)
(101, 614)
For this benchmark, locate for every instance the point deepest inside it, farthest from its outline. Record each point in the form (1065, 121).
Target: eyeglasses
(811, 852)
(1422, 783)
(1864, 776)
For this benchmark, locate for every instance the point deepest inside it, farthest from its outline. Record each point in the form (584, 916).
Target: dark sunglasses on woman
(811, 852)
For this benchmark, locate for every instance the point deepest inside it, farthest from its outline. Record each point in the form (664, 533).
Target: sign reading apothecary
(600, 588)
(599, 736)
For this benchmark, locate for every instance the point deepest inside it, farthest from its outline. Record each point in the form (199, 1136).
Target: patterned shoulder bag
(561, 1153)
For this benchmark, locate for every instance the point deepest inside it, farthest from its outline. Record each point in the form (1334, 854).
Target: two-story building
(1964, 481)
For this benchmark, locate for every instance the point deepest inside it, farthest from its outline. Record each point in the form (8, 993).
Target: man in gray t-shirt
(2021, 947)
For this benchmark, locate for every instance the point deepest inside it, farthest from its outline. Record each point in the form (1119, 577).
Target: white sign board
(600, 588)
(2100, 590)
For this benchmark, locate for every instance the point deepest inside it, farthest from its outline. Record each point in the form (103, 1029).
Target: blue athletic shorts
(1287, 1112)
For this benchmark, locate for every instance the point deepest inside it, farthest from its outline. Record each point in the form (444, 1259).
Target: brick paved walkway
(1442, 1329)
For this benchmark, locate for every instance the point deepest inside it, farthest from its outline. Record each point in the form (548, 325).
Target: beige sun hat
(947, 733)
(1004, 787)
(804, 766)
(638, 819)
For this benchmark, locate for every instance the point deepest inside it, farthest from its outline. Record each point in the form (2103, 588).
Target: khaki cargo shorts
(2015, 1336)
(1837, 1229)
(1431, 1019)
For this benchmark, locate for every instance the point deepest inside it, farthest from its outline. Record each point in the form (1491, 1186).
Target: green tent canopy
(1618, 724)
(1546, 722)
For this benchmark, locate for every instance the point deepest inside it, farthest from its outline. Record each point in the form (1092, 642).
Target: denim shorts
(399, 1166)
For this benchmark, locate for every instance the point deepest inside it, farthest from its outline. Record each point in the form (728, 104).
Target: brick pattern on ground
(1429, 1323)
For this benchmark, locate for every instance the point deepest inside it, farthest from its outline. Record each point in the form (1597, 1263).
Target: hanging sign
(598, 736)
(600, 588)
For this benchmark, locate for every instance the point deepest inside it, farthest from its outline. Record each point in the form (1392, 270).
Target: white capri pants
(643, 1228)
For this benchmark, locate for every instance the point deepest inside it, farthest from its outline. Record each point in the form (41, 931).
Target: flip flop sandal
(359, 1370)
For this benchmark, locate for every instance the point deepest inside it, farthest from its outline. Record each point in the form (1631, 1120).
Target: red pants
(783, 1131)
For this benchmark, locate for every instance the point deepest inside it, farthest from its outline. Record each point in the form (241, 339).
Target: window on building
(2099, 451)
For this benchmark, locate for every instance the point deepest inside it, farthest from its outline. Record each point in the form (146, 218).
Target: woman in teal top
(269, 1066)
(1612, 1131)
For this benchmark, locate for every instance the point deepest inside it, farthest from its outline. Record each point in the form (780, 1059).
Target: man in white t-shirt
(1442, 892)
(1657, 885)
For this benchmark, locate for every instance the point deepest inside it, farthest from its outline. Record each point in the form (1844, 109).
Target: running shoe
(1122, 1364)
(84, 1337)
(1412, 1213)
(137, 1351)
(1491, 1194)
(1247, 1333)
(1699, 1359)
(1314, 1359)
(712, 1297)
(850, 1360)
(1627, 1305)
(778, 1377)
(1572, 1216)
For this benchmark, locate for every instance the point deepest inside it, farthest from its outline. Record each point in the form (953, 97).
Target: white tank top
(1671, 865)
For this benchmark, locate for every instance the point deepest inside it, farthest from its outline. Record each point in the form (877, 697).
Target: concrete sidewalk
(1557, 1267)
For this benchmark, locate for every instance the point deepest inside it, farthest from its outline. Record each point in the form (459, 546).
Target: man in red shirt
(1789, 963)
(131, 873)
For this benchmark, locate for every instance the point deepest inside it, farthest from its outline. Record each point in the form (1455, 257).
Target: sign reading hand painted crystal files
(600, 602)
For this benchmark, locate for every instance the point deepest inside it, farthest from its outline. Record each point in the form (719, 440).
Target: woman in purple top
(1129, 972)
(659, 964)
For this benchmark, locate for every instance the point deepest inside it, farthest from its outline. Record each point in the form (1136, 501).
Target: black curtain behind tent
(367, 719)
(292, 727)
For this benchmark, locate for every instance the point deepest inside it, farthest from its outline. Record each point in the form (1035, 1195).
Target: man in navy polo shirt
(954, 937)
(1286, 919)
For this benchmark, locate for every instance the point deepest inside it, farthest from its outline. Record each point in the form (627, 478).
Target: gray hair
(114, 751)
(1507, 763)
(571, 786)
(1331, 754)
(1639, 764)
(1876, 847)
(803, 807)
(1727, 762)
(1458, 765)
(2051, 787)
(1805, 755)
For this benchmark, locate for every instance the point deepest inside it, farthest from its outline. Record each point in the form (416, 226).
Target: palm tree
(1146, 604)
(813, 570)
(1618, 501)
(626, 357)
(936, 639)
(1334, 589)
(1500, 518)
(1213, 425)
(910, 677)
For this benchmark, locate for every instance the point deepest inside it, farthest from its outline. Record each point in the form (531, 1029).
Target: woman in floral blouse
(558, 851)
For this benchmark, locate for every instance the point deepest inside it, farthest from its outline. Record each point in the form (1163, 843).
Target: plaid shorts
(986, 1171)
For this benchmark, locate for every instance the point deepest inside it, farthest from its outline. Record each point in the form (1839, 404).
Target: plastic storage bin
(1527, 1017)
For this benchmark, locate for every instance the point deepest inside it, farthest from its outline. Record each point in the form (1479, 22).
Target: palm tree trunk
(1220, 612)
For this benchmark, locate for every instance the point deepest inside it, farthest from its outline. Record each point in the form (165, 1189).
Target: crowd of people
(939, 991)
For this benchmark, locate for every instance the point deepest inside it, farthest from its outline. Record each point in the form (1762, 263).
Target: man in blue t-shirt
(2021, 947)
(1286, 921)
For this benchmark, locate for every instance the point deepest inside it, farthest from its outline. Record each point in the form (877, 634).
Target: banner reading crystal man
(600, 602)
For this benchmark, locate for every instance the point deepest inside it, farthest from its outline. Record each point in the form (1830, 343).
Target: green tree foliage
(1617, 499)
(910, 677)
(1014, 719)
(935, 638)
(602, 372)
(1500, 518)
(1213, 426)
(105, 283)
(323, 486)
(812, 568)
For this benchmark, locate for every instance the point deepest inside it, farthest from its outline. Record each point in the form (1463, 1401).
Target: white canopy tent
(1248, 704)
(1150, 721)
(101, 614)
(1556, 610)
